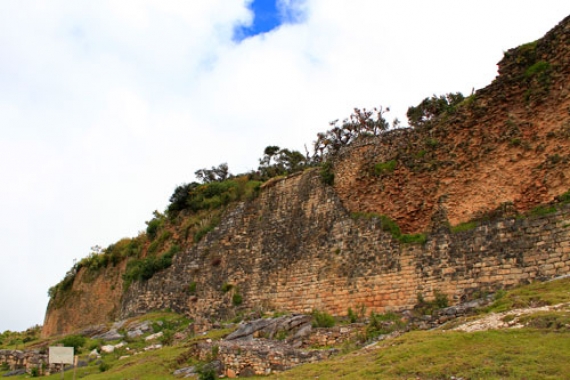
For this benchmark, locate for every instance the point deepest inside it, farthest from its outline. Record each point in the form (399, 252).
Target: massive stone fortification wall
(297, 249)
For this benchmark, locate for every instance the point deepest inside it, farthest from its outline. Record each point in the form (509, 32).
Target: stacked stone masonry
(26, 360)
(297, 249)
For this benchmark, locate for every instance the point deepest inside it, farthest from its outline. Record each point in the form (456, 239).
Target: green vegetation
(538, 68)
(538, 350)
(75, 341)
(542, 211)
(503, 354)
(327, 174)
(322, 319)
(380, 324)
(360, 124)
(533, 295)
(383, 168)
(237, 299)
(226, 287)
(412, 238)
(462, 227)
(423, 115)
(144, 269)
(389, 225)
(424, 307)
(154, 225)
(358, 315)
(12, 340)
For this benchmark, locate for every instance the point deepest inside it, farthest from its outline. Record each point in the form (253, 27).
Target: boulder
(154, 336)
(108, 349)
(109, 335)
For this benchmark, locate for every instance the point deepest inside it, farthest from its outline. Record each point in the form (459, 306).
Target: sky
(107, 106)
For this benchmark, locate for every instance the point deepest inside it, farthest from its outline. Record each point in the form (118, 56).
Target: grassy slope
(538, 352)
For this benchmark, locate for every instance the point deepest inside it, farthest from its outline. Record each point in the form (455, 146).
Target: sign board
(59, 355)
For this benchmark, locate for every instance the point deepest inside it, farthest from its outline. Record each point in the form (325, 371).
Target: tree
(178, 199)
(216, 174)
(430, 108)
(360, 123)
(277, 161)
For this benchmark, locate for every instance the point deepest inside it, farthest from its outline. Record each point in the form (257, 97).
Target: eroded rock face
(507, 144)
(92, 300)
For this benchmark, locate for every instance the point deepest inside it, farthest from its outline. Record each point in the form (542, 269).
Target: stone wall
(25, 360)
(296, 248)
(258, 357)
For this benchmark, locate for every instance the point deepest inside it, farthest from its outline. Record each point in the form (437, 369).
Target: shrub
(322, 319)
(226, 287)
(390, 225)
(208, 374)
(352, 317)
(104, 367)
(564, 198)
(75, 341)
(192, 287)
(153, 226)
(167, 337)
(35, 372)
(441, 300)
(327, 174)
(144, 269)
(383, 324)
(537, 68)
(237, 299)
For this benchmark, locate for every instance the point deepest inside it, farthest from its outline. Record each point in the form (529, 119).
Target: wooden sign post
(61, 355)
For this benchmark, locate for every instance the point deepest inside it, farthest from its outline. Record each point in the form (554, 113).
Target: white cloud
(106, 106)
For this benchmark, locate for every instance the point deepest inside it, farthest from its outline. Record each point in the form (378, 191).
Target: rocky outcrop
(93, 299)
(508, 143)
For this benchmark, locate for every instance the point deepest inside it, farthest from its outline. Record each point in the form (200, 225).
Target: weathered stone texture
(258, 357)
(17, 359)
(297, 249)
(93, 299)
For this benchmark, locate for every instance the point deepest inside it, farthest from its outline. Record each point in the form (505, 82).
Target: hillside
(522, 333)
(448, 206)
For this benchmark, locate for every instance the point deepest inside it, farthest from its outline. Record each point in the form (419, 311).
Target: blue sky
(266, 18)
(107, 106)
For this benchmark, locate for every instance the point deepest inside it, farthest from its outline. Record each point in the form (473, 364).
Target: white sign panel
(58, 355)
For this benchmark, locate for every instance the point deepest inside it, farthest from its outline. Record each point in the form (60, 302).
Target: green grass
(537, 294)
(389, 225)
(413, 238)
(539, 351)
(505, 354)
(537, 68)
(462, 227)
